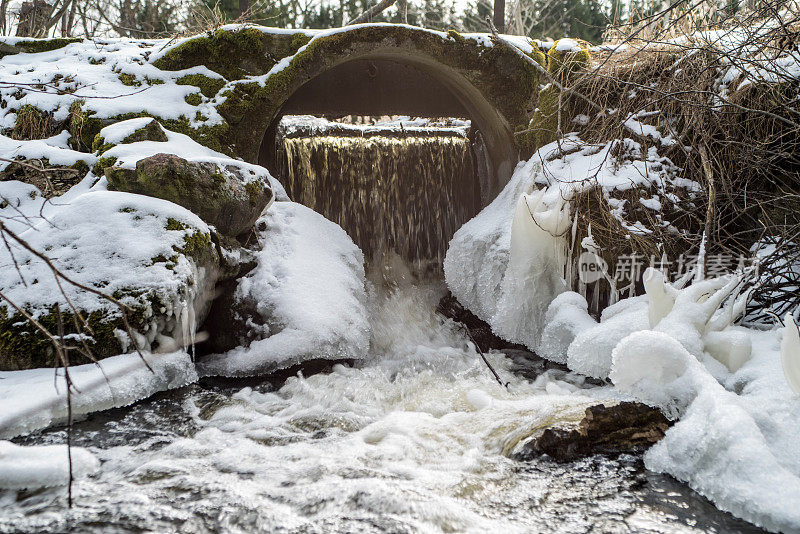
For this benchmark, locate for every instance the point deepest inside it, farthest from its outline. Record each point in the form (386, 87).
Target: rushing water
(407, 194)
(414, 440)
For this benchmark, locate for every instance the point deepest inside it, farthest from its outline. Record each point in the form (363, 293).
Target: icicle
(790, 353)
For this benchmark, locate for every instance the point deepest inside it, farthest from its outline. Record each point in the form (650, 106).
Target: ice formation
(535, 272)
(308, 290)
(790, 353)
(736, 432)
(36, 398)
(41, 466)
(590, 353)
(566, 317)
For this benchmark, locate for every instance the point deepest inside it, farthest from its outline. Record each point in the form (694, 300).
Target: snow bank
(54, 149)
(308, 289)
(42, 466)
(36, 398)
(736, 437)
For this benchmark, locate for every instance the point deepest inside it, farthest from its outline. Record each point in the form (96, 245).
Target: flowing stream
(413, 440)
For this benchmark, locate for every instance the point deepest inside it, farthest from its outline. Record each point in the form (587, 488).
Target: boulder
(228, 197)
(478, 329)
(609, 430)
(154, 257)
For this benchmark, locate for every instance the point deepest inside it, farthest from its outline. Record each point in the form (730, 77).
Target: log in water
(408, 194)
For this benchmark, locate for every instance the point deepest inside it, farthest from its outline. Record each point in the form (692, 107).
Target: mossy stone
(226, 200)
(208, 86)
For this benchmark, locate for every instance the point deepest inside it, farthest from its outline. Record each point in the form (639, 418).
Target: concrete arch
(418, 71)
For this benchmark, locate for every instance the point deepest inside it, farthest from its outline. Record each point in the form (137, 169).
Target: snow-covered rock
(305, 299)
(152, 255)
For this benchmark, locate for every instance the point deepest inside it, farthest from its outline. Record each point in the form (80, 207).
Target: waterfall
(408, 193)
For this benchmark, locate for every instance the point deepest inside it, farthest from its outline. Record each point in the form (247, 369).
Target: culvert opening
(393, 183)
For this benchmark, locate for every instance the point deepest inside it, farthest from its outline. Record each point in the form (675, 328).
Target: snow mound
(36, 398)
(54, 149)
(740, 451)
(308, 289)
(42, 466)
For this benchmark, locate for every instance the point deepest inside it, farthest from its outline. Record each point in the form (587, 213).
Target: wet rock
(607, 430)
(228, 197)
(480, 331)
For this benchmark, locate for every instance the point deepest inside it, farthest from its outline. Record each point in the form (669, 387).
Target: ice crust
(309, 289)
(36, 398)
(41, 466)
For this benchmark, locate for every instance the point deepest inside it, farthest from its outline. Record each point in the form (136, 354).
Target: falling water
(409, 194)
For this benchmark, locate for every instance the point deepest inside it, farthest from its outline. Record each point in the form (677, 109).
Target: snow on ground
(309, 289)
(113, 77)
(36, 398)
(41, 466)
(55, 149)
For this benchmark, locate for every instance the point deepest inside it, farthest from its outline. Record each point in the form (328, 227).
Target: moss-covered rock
(208, 86)
(554, 110)
(83, 126)
(151, 131)
(233, 53)
(33, 46)
(230, 198)
(165, 280)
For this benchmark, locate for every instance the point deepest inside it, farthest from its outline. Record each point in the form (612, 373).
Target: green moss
(23, 346)
(564, 64)
(208, 86)
(545, 121)
(83, 126)
(153, 81)
(253, 190)
(454, 35)
(129, 79)
(99, 144)
(34, 46)
(102, 163)
(193, 99)
(233, 54)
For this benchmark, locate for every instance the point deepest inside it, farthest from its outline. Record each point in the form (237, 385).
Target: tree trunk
(33, 17)
(244, 8)
(500, 15)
